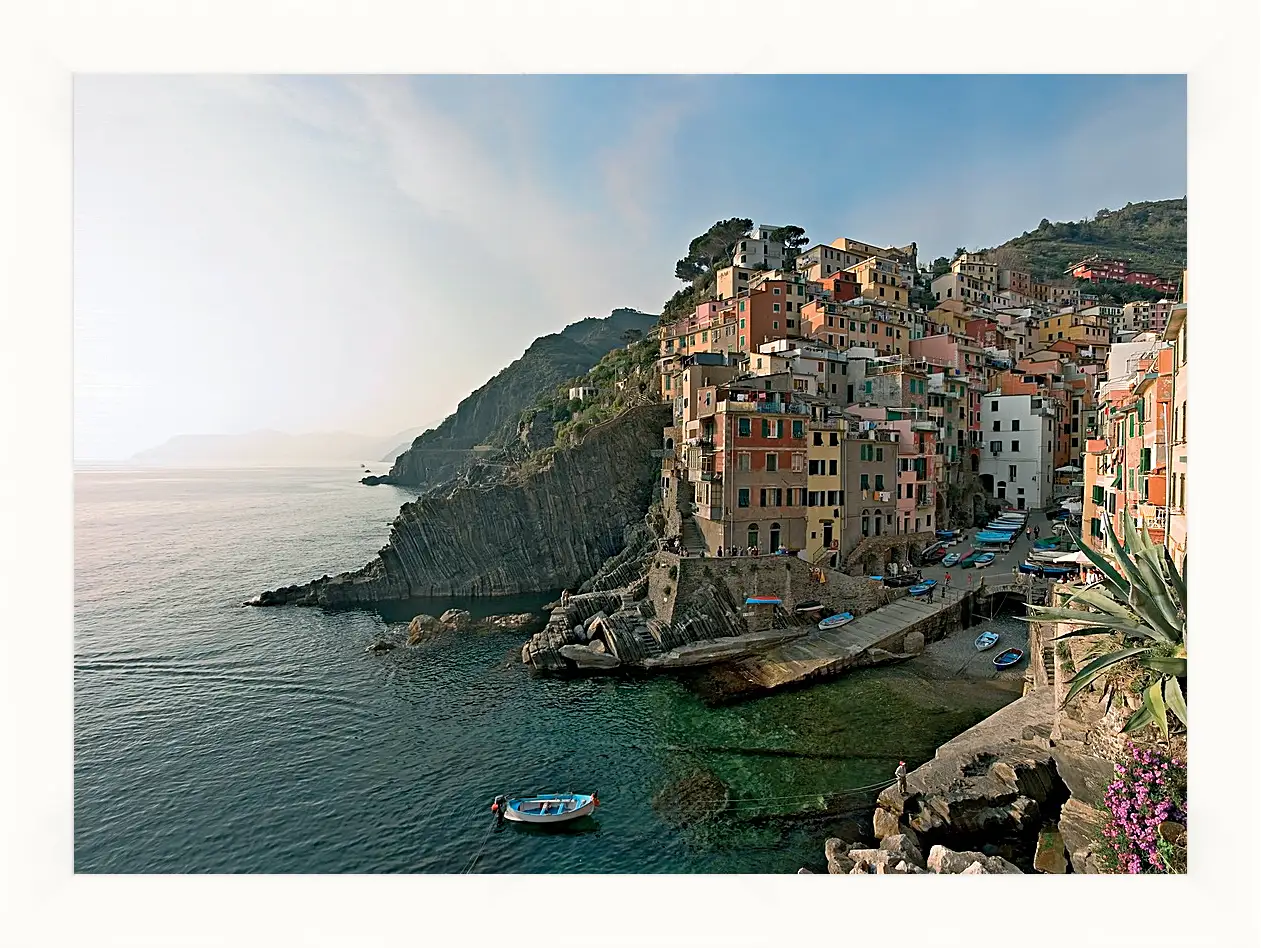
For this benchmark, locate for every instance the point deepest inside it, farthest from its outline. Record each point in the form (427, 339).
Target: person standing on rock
(900, 773)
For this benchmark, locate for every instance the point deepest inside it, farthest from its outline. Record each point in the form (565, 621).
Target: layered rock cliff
(548, 529)
(491, 414)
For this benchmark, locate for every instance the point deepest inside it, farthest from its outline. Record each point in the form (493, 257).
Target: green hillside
(1152, 235)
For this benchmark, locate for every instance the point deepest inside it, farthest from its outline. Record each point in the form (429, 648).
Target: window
(818, 438)
(832, 496)
(1015, 424)
(798, 463)
(744, 461)
(766, 428)
(775, 324)
(993, 406)
(879, 454)
(742, 499)
(1015, 446)
(996, 447)
(774, 307)
(865, 482)
(832, 467)
(776, 291)
(772, 462)
(745, 427)
(799, 429)
(762, 498)
(879, 482)
(1011, 472)
(998, 425)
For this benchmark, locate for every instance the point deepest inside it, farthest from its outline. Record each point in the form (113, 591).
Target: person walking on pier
(900, 773)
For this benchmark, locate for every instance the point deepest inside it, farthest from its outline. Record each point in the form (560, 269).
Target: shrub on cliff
(1146, 828)
(1143, 599)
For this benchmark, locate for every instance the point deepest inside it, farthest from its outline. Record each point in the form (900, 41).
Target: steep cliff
(491, 414)
(548, 529)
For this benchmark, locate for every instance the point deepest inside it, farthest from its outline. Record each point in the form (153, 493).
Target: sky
(345, 253)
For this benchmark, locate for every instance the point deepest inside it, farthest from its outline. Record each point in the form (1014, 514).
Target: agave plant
(1145, 601)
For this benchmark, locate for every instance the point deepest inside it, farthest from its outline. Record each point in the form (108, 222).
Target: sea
(214, 737)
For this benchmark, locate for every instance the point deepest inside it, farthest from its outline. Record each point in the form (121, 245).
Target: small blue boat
(950, 559)
(920, 589)
(550, 807)
(835, 622)
(1008, 658)
(986, 640)
(985, 559)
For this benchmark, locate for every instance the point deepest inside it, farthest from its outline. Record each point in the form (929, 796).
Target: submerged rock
(380, 645)
(698, 797)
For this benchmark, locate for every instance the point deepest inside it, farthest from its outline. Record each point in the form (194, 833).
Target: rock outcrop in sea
(548, 527)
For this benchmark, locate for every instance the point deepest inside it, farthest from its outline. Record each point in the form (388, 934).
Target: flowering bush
(1150, 789)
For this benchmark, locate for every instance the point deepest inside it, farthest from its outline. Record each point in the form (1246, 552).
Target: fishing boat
(994, 536)
(985, 559)
(808, 605)
(1033, 568)
(836, 621)
(986, 640)
(970, 560)
(1008, 658)
(1058, 570)
(951, 559)
(550, 807)
(920, 589)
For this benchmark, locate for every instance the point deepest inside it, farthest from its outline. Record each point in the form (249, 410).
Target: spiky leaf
(1138, 720)
(1107, 569)
(1092, 670)
(1154, 701)
(1103, 602)
(1166, 666)
(1156, 589)
(1173, 697)
(1177, 581)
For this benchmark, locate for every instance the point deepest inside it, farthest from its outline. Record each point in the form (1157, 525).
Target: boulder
(948, 862)
(380, 645)
(517, 620)
(905, 846)
(913, 643)
(909, 868)
(420, 626)
(1086, 776)
(458, 619)
(1081, 827)
(868, 859)
(597, 645)
(839, 861)
(976, 869)
(587, 660)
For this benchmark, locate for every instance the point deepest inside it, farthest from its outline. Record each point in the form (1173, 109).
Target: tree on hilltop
(712, 249)
(794, 240)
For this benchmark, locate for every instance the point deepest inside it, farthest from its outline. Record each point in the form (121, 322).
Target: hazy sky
(319, 253)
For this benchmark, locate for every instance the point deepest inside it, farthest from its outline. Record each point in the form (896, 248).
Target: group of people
(1033, 534)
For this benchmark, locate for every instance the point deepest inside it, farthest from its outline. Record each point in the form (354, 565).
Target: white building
(1017, 463)
(758, 251)
(816, 369)
(583, 393)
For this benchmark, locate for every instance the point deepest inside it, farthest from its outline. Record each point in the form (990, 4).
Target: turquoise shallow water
(210, 737)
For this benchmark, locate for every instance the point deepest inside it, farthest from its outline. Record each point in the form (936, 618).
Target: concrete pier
(900, 628)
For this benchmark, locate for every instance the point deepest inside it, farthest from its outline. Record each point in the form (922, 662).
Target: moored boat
(920, 589)
(549, 807)
(808, 605)
(951, 559)
(836, 621)
(1008, 658)
(985, 559)
(986, 640)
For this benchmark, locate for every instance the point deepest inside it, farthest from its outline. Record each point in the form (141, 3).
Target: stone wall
(785, 577)
(873, 553)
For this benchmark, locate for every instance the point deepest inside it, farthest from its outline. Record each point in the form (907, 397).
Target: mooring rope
(478, 854)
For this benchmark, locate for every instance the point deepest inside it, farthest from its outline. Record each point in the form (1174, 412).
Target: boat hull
(577, 805)
(985, 641)
(835, 622)
(1008, 658)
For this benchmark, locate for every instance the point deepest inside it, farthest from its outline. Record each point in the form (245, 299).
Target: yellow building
(1074, 327)
(825, 480)
(879, 278)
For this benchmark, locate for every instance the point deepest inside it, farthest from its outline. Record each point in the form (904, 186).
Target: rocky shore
(549, 528)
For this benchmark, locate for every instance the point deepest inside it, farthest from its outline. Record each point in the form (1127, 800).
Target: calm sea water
(210, 737)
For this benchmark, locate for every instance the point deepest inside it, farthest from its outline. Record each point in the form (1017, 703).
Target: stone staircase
(693, 539)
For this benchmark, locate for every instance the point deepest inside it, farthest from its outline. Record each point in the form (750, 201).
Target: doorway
(753, 535)
(774, 537)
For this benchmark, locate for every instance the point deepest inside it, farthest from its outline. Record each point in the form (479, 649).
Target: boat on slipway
(836, 621)
(986, 640)
(920, 589)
